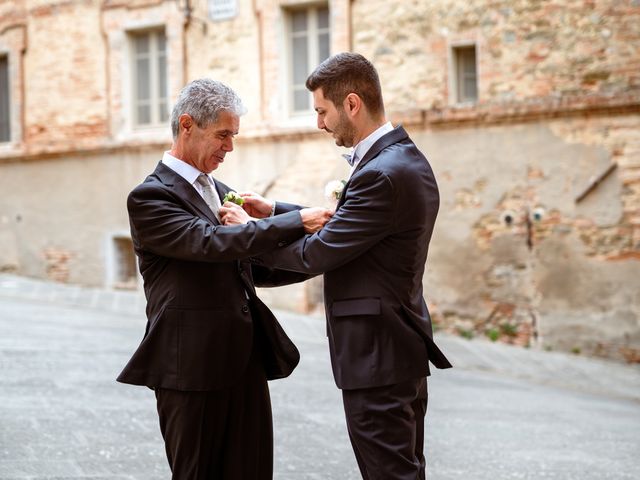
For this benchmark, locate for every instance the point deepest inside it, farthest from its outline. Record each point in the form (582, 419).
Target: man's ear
(352, 104)
(186, 122)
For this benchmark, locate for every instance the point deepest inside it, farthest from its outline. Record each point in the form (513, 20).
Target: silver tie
(209, 194)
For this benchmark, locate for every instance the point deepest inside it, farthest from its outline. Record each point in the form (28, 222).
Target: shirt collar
(361, 149)
(182, 168)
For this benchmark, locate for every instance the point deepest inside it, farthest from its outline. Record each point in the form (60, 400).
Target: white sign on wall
(222, 9)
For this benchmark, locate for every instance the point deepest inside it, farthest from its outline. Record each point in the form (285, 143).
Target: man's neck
(367, 129)
(176, 151)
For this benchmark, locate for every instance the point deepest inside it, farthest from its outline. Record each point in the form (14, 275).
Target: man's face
(334, 120)
(208, 146)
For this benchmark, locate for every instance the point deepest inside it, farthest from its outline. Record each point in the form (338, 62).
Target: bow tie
(351, 159)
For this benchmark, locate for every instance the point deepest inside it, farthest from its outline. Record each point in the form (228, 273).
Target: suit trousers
(386, 429)
(220, 435)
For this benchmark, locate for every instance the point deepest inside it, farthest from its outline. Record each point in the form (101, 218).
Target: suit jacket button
(281, 244)
(245, 308)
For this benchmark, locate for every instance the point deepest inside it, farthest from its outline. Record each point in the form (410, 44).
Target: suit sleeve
(160, 224)
(283, 207)
(365, 218)
(269, 277)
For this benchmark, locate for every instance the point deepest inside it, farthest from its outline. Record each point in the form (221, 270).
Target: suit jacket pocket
(352, 337)
(356, 306)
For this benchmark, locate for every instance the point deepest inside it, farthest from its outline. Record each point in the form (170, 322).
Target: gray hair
(203, 100)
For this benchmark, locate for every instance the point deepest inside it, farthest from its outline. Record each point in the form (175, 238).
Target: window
(149, 77)
(466, 77)
(5, 119)
(222, 9)
(124, 275)
(309, 46)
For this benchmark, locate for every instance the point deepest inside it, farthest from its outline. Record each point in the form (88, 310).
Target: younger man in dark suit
(372, 253)
(210, 344)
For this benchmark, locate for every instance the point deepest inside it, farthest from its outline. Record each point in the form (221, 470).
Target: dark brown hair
(346, 73)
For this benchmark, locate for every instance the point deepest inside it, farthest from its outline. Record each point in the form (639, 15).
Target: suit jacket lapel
(394, 136)
(185, 191)
(221, 189)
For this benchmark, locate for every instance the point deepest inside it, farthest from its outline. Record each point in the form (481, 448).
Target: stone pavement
(502, 413)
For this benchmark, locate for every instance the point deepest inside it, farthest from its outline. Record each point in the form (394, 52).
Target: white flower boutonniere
(333, 189)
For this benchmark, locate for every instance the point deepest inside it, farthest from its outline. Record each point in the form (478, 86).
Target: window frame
(5, 57)
(458, 78)
(312, 34)
(113, 267)
(156, 100)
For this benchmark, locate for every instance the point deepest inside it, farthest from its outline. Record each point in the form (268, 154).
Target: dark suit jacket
(199, 285)
(373, 252)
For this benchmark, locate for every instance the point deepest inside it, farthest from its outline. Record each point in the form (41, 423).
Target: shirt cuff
(273, 209)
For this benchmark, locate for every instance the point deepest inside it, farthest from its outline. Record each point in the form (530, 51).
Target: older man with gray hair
(210, 344)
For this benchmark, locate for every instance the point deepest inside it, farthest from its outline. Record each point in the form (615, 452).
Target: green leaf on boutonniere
(233, 197)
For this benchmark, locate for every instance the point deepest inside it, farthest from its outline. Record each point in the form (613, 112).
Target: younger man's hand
(256, 205)
(314, 218)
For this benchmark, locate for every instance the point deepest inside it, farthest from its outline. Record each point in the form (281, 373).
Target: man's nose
(321, 124)
(227, 144)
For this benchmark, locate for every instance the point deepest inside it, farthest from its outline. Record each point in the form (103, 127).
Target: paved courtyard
(502, 413)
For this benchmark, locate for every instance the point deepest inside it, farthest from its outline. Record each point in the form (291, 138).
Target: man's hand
(256, 205)
(233, 214)
(315, 218)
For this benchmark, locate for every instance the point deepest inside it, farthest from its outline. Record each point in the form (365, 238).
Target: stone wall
(59, 216)
(515, 257)
(538, 238)
(528, 50)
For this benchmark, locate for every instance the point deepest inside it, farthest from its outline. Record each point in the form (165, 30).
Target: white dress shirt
(190, 174)
(361, 149)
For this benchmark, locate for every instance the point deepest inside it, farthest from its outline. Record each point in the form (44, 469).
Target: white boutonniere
(333, 189)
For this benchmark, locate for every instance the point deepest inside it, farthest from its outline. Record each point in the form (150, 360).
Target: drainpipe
(259, 20)
(349, 15)
(187, 21)
(107, 69)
